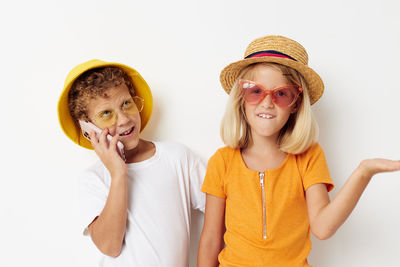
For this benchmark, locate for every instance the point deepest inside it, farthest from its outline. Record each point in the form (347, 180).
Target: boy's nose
(122, 118)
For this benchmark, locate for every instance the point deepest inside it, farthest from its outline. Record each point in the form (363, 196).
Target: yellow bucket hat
(65, 119)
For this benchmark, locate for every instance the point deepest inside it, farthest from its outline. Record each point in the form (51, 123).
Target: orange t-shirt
(271, 231)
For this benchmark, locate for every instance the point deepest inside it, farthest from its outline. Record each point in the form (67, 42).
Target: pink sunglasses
(285, 96)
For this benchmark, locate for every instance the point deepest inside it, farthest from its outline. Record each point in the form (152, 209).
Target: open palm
(374, 166)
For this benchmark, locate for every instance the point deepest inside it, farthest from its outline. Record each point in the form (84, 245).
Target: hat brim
(65, 119)
(231, 72)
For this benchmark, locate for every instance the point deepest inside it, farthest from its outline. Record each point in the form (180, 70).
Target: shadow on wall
(151, 130)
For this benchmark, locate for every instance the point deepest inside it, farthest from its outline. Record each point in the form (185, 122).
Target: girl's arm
(327, 216)
(108, 229)
(211, 239)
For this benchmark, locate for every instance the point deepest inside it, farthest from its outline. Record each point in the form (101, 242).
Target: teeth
(127, 132)
(267, 116)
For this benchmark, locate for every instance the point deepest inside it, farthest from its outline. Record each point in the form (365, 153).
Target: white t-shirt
(161, 192)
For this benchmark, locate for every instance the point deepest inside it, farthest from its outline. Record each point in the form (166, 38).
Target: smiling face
(117, 111)
(266, 119)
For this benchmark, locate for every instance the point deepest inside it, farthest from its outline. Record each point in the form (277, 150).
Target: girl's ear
(296, 106)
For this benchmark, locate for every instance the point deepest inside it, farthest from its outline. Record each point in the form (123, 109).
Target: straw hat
(64, 116)
(275, 49)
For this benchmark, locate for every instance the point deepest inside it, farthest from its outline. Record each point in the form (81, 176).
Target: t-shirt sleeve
(213, 182)
(92, 194)
(197, 172)
(315, 168)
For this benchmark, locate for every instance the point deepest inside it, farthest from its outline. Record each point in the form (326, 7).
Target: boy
(137, 211)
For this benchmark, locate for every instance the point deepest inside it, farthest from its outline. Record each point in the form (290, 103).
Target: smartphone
(88, 127)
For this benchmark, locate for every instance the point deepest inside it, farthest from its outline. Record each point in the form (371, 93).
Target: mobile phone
(88, 127)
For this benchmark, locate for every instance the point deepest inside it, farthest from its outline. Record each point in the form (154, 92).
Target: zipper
(263, 204)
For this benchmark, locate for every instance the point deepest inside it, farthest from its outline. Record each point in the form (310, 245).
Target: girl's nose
(267, 101)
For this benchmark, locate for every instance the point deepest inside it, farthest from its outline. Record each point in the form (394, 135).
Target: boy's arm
(197, 198)
(326, 216)
(108, 229)
(211, 239)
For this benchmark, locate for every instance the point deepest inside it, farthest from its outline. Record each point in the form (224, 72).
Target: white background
(180, 47)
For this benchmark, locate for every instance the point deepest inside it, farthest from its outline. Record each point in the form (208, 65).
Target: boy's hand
(108, 154)
(371, 167)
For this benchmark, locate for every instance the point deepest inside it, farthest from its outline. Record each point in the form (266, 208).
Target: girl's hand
(108, 154)
(371, 167)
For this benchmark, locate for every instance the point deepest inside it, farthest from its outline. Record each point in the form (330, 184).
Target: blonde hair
(299, 132)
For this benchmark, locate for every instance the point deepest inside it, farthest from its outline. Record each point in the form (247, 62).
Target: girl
(268, 188)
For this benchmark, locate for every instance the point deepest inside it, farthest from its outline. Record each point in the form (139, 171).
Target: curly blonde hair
(94, 83)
